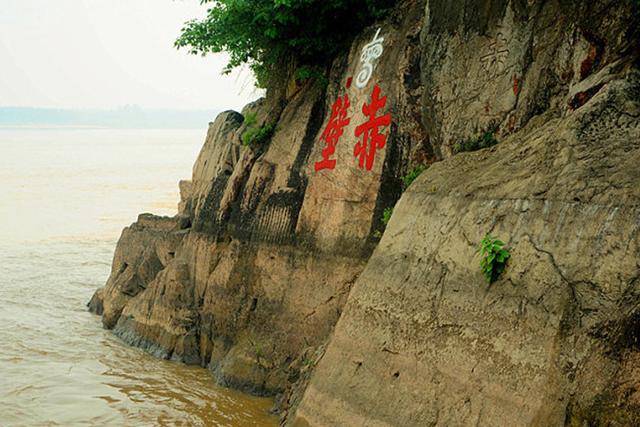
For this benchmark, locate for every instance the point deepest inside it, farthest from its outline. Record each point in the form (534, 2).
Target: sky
(105, 54)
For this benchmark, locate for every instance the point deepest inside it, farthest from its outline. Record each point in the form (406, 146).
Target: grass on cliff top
(268, 34)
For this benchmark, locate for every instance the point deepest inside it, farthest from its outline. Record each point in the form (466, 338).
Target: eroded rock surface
(264, 250)
(267, 255)
(423, 339)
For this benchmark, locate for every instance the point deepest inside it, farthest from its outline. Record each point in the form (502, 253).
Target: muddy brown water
(65, 195)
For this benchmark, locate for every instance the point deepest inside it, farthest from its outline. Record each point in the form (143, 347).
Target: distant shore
(129, 117)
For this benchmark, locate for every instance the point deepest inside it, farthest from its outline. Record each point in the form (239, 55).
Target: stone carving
(370, 52)
(372, 140)
(495, 57)
(276, 220)
(333, 132)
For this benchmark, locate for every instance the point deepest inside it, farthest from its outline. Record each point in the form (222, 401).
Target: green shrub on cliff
(488, 139)
(258, 136)
(250, 118)
(412, 175)
(386, 216)
(494, 257)
(267, 33)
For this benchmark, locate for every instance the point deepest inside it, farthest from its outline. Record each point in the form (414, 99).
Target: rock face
(423, 339)
(251, 276)
(267, 254)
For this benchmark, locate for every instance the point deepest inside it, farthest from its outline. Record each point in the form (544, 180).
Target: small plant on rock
(494, 257)
(412, 175)
(258, 136)
(250, 118)
(386, 215)
(488, 139)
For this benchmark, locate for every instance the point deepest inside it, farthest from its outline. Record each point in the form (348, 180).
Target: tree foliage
(265, 33)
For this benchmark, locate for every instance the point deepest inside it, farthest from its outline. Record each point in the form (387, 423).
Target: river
(65, 195)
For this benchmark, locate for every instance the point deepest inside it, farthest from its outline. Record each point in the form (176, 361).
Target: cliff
(275, 245)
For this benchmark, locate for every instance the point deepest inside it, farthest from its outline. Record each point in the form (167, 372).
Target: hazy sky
(109, 53)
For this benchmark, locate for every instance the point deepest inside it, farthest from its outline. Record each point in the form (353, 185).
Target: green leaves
(256, 136)
(386, 215)
(412, 175)
(250, 118)
(265, 33)
(494, 257)
(488, 139)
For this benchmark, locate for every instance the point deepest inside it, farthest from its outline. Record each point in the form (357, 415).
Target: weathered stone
(186, 195)
(266, 255)
(490, 66)
(144, 249)
(424, 340)
(270, 247)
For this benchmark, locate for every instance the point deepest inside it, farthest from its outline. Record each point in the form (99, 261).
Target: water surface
(65, 196)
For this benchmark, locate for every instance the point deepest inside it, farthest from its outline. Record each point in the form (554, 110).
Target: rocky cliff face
(251, 276)
(270, 250)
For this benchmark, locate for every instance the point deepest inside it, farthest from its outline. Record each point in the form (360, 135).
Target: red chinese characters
(333, 132)
(372, 140)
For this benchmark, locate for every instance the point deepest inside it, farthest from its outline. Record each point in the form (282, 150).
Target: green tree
(267, 33)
